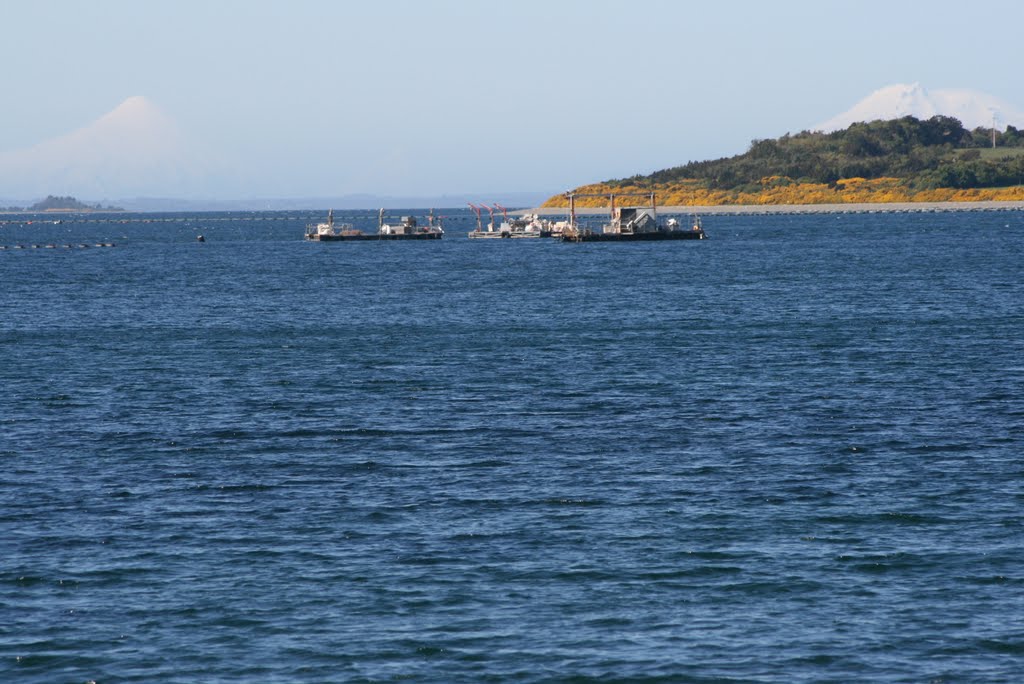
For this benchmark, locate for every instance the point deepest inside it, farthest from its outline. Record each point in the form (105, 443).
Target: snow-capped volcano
(974, 109)
(135, 149)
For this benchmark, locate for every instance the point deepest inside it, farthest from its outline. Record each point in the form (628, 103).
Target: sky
(304, 98)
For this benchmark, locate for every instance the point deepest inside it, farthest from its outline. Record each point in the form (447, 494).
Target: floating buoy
(200, 238)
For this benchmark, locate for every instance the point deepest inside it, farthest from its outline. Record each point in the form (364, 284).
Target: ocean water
(792, 452)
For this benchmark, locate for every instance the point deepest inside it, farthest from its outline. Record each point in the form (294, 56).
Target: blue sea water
(792, 452)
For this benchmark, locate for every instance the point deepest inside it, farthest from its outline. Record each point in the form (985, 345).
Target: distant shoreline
(761, 209)
(73, 210)
(710, 210)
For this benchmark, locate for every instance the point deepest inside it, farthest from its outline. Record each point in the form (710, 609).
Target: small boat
(630, 224)
(407, 229)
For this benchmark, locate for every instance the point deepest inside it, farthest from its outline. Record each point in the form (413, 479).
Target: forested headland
(898, 160)
(55, 203)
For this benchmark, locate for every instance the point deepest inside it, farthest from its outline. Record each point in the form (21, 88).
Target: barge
(516, 228)
(407, 229)
(630, 224)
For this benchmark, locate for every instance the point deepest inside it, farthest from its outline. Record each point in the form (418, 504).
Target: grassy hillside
(900, 160)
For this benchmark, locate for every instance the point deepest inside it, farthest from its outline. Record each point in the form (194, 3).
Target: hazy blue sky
(315, 97)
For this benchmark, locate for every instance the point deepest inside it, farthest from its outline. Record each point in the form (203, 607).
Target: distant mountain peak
(135, 110)
(135, 102)
(134, 149)
(974, 109)
(134, 129)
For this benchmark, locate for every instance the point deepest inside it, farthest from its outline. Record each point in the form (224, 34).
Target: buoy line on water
(51, 245)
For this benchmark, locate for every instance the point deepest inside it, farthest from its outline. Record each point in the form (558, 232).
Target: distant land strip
(847, 208)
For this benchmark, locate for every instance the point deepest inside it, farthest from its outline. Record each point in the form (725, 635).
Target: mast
(380, 219)
(476, 209)
(504, 212)
(490, 210)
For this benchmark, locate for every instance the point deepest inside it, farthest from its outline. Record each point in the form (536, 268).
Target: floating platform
(408, 229)
(629, 224)
(527, 226)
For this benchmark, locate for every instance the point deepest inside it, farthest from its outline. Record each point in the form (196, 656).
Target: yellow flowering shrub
(781, 190)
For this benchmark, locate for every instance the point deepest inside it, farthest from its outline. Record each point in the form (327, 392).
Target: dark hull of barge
(654, 235)
(356, 238)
